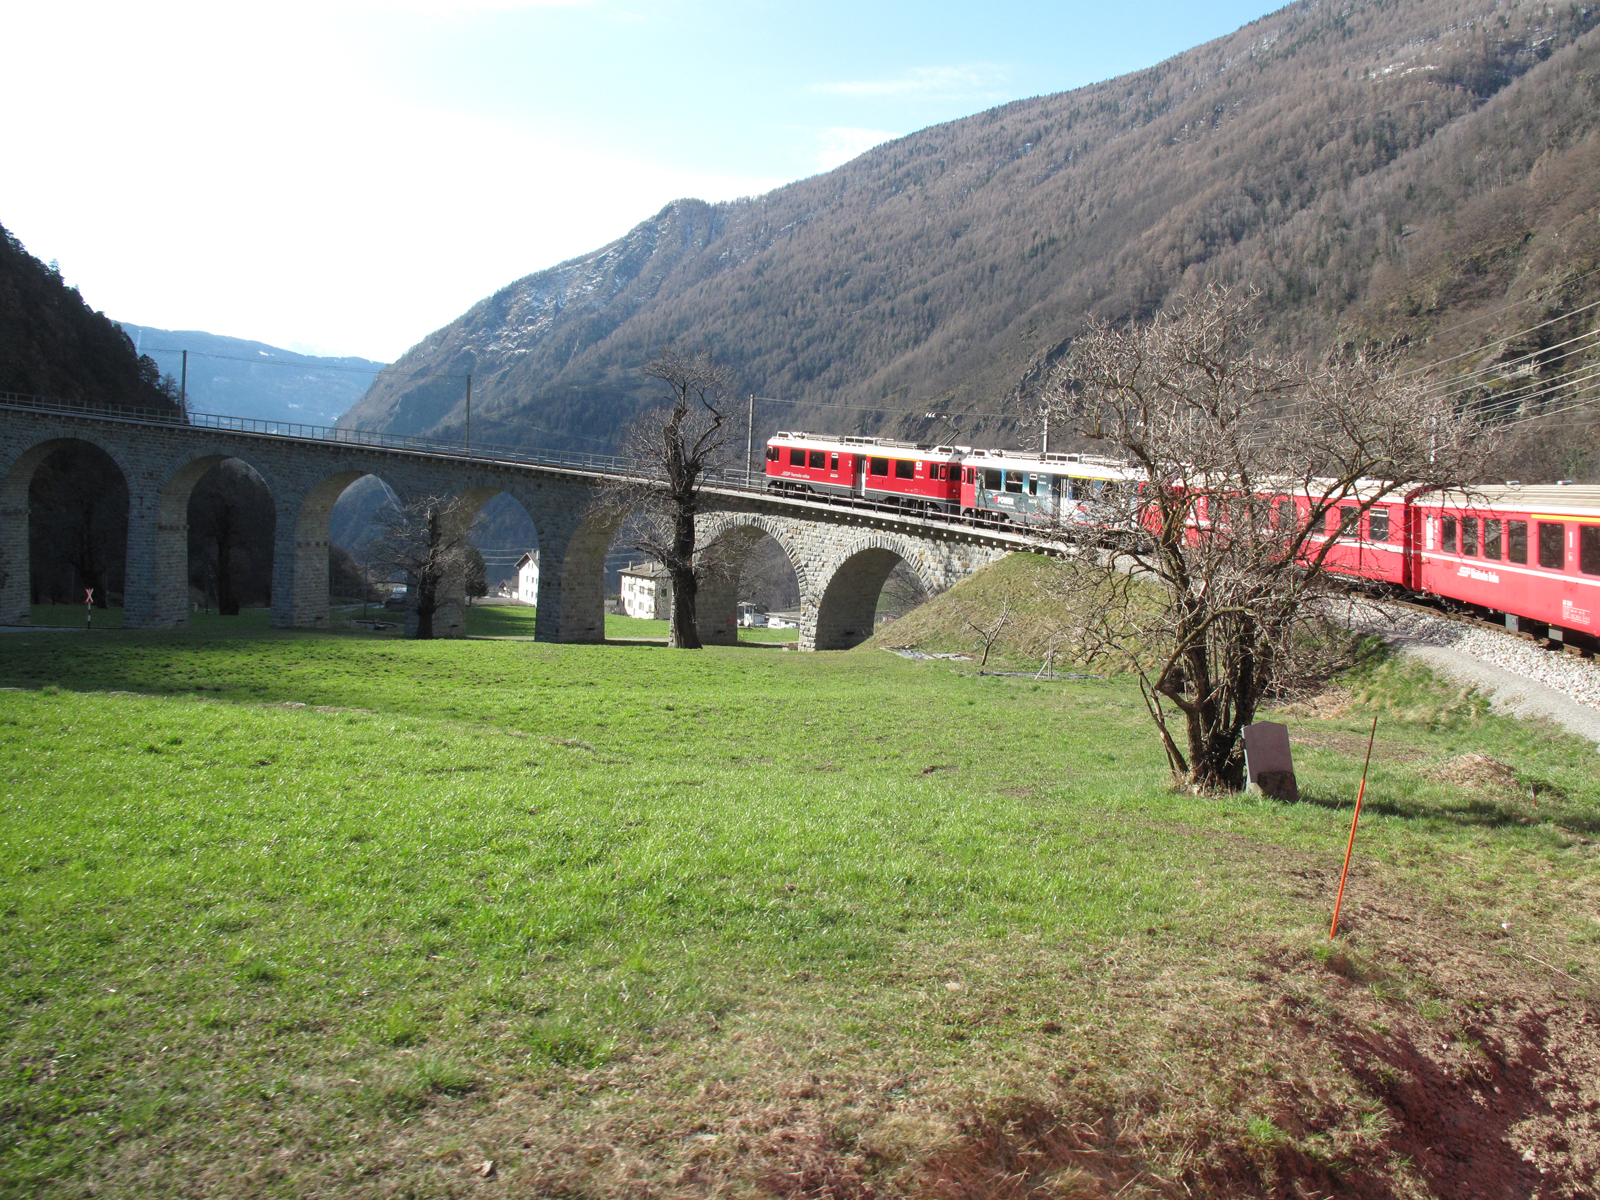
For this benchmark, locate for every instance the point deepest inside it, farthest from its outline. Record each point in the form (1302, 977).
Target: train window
(773, 454)
(879, 466)
(797, 457)
(1552, 545)
(991, 479)
(1378, 525)
(833, 464)
(1033, 485)
(1447, 536)
(904, 468)
(819, 460)
(1350, 521)
(1013, 481)
(1491, 537)
(1589, 549)
(1517, 541)
(1469, 535)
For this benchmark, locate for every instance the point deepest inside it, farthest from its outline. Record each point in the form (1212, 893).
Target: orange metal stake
(1333, 930)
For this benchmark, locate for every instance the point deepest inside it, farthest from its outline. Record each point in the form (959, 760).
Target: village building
(647, 592)
(528, 578)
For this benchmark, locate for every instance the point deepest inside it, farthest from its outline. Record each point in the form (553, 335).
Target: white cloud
(838, 144)
(969, 81)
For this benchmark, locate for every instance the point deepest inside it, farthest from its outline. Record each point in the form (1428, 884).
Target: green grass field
(343, 914)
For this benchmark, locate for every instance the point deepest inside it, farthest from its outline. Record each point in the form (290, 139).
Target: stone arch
(450, 620)
(16, 567)
(727, 539)
(300, 570)
(847, 601)
(158, 578)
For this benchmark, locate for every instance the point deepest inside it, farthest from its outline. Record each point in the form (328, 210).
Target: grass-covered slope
(333, 915)
(1020, 584)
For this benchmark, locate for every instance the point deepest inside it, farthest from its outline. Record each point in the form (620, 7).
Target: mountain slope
(1382, 168)
(241, 378)
(54, 344)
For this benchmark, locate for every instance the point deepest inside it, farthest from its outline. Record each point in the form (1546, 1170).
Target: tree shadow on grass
(1469, 809)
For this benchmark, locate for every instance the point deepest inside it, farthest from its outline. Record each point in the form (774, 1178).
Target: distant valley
(237, 377)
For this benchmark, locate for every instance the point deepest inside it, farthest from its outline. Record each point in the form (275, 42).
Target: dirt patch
(1489, 776)
(1326, 705)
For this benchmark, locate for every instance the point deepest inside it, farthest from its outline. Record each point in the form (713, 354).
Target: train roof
(864, 443)
(1558, 499)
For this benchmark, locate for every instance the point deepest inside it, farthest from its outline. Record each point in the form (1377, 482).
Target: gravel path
(1519, 677)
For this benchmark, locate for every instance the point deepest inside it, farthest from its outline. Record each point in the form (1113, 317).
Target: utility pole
(469, 416)
(183, 387)
(1044, 443)
(750, 441)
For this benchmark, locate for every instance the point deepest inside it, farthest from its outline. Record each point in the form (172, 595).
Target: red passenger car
(1530, 552)
(902, 473)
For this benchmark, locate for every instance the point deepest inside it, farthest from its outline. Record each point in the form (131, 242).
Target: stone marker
(1267, 762)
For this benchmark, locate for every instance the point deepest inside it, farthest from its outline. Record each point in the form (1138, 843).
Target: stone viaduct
(841, 555)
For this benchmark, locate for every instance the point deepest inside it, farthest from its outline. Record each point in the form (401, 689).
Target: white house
(647, 592)
(528, 577)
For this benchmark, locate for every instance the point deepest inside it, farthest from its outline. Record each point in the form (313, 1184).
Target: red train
(1531, 554)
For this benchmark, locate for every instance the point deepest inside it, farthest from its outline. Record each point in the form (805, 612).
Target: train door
(858, 467)
(1418, 527)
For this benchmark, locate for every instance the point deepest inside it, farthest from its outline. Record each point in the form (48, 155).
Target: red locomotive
(906, 474)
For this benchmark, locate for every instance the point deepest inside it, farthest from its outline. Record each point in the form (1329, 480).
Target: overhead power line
(268, 361)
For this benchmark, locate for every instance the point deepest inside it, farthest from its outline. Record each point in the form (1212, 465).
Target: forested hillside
(54, 344)
(1427, 169)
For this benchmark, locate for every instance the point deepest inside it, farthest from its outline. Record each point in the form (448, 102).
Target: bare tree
(988, 632)
(426, 540)
(671, 450)
(1247, 469)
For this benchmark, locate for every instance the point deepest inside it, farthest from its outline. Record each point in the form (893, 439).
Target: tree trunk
(685, 632)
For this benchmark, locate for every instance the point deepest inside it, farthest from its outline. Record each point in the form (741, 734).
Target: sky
(346, 176)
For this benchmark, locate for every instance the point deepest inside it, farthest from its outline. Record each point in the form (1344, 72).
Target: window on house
(1469, 535)
(1447, 535)
(1589, 549)
(1491, 538)
(879, 466)
(1378, 525)
(1552, 545)
(797, 457)
(904, 468)
(1517, 541)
